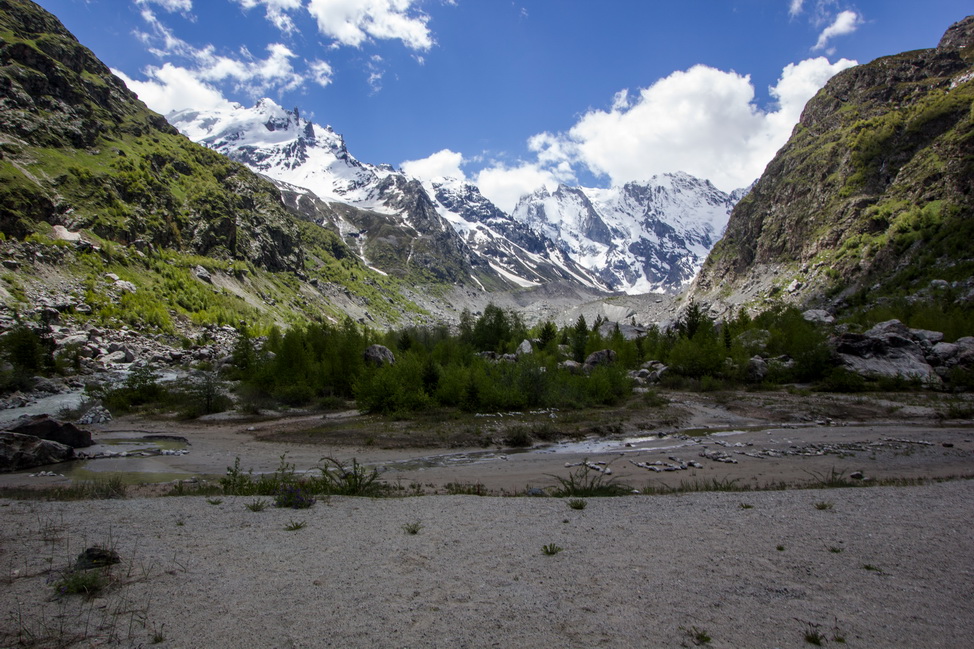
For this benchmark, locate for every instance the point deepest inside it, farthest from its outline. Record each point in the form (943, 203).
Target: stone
(95, 415)
(378, 355)
(203, 274)
(572, 366)
(62, 233)
(601, 357)
(42, 384)
(820, 316)
(756, 370)
(44, 427)
(19, 452)
(524, 348)
(96, 558)
(125, 287)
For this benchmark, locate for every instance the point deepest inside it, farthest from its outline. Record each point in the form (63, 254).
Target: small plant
(81, 582)
(697, 636)
(813, 636)
(870, 567)
(586, 482)
(412, 528)
(157, 635)
(294, 526)
(214, 501)
(355, 480)
(551, 549)
(746, 506)
(258, 505)
(780, 548)
(834, 549)
(577, 503)
(823, 505)
(293, 496)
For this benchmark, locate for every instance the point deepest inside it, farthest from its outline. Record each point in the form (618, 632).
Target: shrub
(293, 496)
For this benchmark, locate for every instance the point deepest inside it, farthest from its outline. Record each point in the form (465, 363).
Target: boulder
(524, 348)
(19, 452)
(572, 366)
(819, 316)
(601, 357)
(890, 349)
(756, 370)
(43, 427)
(203, 274)
(95, 415)
(378, 355)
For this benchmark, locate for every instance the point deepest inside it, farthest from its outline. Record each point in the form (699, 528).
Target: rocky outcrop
(44, 427)
(892, 350)
(18, 452)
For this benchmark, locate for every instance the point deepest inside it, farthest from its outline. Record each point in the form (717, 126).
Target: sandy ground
(879, 567)
(886, 566)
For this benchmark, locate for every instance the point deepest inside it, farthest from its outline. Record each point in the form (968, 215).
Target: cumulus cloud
(276, 11)
(171, 88)
(505, 185)
(442, 164)
(795, 7)
(845, 23)
(702, 121)
(321, 72)
(352, 22)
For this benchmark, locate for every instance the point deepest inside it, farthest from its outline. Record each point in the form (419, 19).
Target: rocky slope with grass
(872, 196)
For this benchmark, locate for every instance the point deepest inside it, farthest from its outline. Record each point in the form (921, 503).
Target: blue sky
(514, 94)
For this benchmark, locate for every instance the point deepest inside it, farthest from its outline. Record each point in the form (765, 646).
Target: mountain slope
(873, 193)
(638, 238)
(79, 149)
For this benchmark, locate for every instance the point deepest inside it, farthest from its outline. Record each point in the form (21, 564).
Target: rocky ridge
(872, 193)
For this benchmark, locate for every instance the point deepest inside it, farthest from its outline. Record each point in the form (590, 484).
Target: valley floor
(886, 566)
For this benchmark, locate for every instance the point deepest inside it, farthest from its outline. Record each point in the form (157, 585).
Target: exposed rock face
(892, 350)
(379, 355)
(599, 358)
(44, 427)
(875, 186)
(19, 452)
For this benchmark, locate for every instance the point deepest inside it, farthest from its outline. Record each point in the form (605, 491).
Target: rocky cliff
(873, 194)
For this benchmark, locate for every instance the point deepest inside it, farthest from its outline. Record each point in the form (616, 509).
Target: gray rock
(125, 287)
(44, 427)
(756, 370)
(601, 357)
(95, 415)
(379, 355)
(524, 348)
(19, 452)
(203, 274)
(819, 316)
(572, 366)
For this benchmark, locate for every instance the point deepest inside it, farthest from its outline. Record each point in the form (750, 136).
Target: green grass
(412, 528)
(551, 549)
(294, 526)
(577, 503)
(588, 483)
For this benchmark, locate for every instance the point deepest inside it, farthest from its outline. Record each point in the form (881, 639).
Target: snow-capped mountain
(395, 223)
(638, 238)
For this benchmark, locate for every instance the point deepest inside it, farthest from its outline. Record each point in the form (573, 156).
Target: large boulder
(18, 452)
(888, 350)
(756, 370)
(43, 427)
(379, 355)
(599, 358)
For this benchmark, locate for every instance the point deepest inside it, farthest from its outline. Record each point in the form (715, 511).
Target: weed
(587, 483)
(214, 501)
(834, 549)
(697, 636)
(412, 528)
(577, 503)
(258, 505)
(551, 549)
(157, 635)
(355, 480)
(466, 489)
(831, 480)
(294, 526)
(746, 506)
(824, 505)
(81, 582)
(780, 548)
(870, 567)
(813, 636)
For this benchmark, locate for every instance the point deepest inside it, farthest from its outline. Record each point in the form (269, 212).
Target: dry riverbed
(887, 566)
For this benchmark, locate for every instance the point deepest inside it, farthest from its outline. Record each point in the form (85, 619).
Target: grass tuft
(551, 549)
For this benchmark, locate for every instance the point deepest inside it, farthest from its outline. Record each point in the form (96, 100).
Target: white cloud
(352, 22)
(845, 23)
(172, 88)
(321, 72)
(276, 11)
(253, 76)
(702, 121)
(795, 7)
(505, 185)
(442, 164)
(169, 5)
